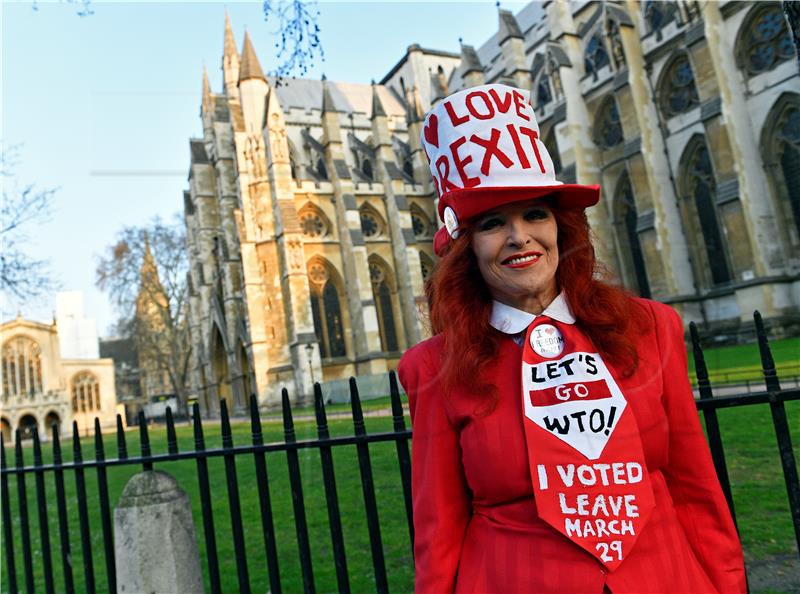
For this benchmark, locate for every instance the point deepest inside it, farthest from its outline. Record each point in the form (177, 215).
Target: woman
(556, 444)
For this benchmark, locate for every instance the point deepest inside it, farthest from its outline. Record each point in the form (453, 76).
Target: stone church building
(310, 211)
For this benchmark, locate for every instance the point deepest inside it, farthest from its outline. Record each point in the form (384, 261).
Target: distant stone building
(310, 211)
(126, 373)
(41, 388)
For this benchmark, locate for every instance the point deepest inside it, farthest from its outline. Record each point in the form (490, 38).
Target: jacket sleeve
(441, 498)
(690, 475)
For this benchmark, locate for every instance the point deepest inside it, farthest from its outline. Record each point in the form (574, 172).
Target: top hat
(484, 151)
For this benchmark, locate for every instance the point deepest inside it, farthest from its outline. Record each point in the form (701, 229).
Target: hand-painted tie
(588, 469)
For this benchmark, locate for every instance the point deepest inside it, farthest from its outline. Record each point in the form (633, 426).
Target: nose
(517, 232)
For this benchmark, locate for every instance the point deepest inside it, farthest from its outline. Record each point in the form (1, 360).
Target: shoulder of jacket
(423, 351)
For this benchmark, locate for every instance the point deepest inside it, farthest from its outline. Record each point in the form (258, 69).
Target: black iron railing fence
(774, 396)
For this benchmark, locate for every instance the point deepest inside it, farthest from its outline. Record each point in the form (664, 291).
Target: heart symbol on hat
(550, 330)
(431, 130)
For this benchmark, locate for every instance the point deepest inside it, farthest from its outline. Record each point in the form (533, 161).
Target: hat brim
(471, 202)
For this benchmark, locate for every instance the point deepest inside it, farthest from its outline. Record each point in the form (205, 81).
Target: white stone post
(154, 537)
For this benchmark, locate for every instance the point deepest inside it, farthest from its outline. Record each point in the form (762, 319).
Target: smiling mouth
(521, 260)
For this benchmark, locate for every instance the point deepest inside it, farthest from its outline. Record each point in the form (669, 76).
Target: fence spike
(205, 498)
(61, 502)
(319, 412)
(105, 507)
(288, 422)
(262, 478)
(83, 512)
(8, 533)
(355, 405)
(700, 368)
(398, 418)
(41, 504)
(122, 447)
(227, 437)
(172, 439)
(767, 362)
(144, 442)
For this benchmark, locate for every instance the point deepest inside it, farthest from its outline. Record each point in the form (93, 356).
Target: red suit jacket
(475, 518)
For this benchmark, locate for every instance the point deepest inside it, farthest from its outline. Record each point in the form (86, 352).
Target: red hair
(460, 306)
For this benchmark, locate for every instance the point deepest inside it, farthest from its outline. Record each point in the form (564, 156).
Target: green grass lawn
(741, 363)
(750, 447)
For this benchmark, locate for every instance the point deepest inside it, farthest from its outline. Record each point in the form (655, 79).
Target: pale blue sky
(104, 105)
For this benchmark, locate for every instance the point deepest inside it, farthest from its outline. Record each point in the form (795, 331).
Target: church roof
(250, 67)
(304, 93)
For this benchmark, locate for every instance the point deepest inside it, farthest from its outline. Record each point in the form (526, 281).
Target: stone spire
(508, 27)
(207, 101)
(250, 68)
(377, 105)
(230, 61)
(230, 42)
(470, 60)
(472, 70)
(327, 99)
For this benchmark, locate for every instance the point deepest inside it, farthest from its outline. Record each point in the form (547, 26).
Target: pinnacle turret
(327, 99)
(250, 67)
(377, 105)
(470, 59)
(230, 42)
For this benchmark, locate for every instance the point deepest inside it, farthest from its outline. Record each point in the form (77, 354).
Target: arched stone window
(780, 145)
(544, 94)
(313, 222)
(700, 185)
(85, 392)
(551, 144)
(677, 92)
(382, 283)
(22, 367)
(426, 265)
(326, 310)
(420, 223)
(765, 41)
(366, 169)
(658, 13)
(221, 369)
(595, 56)
(626, 222)
(789, 150)
(607, 126)
(372, 225)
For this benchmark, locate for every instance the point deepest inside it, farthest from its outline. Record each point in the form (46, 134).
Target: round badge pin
(451, 222)
(547, 341)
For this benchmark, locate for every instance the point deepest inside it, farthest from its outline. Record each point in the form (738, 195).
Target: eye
(489, 223)
(536, 214)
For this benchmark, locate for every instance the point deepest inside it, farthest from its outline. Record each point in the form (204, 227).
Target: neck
(534, 304)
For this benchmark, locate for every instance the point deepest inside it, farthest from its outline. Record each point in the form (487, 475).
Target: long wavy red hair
(460, 306)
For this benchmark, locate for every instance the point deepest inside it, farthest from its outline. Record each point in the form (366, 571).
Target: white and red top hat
(484, 151)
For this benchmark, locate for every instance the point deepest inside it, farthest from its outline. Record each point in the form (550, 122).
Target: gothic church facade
(310, 211)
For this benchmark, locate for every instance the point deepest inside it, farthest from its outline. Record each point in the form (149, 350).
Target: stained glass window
(326, 311)
(370, 226)
(767, 41)
(678, 92)
(596, 56)
(631, 219)
(543, 93)
(789, 138)
(382, 295)
(658, 13)
(85, 393)
(608, 129)
(312, 223)
(22, 367)
(703, 187)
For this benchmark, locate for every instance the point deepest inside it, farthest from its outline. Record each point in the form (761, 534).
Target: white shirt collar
(513, 321)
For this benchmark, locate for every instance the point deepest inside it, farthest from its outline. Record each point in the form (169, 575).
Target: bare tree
(22, 277)
(144, 273)
(299, 43)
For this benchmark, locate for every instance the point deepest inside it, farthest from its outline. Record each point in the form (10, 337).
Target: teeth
(522, 259)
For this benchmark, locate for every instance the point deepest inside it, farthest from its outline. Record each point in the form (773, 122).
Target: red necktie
(585, 452)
